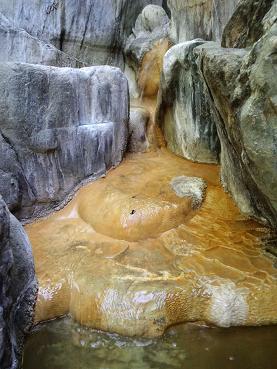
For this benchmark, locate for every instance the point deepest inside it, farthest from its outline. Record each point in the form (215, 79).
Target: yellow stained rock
(127, 255)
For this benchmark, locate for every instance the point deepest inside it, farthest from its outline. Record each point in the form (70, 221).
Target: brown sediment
(127, 255)
(151, 67)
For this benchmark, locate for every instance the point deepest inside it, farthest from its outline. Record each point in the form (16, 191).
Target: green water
(63, 344)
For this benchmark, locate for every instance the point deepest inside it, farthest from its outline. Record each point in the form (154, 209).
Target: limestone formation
(93, 31)
(18, 288)
(204, 19)
(138, 129)
(18, 46)
(145, 48)
(185, 110)
(243, 86)
(246, 25)
(130, 255)
(59, 126)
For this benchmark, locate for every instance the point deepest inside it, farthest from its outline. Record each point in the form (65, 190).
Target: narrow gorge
(138, 184)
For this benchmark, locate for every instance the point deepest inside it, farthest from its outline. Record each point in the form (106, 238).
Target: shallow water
(63, 344)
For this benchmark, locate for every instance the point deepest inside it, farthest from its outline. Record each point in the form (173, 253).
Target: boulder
(206, 19)
(18, 46)
(59, 126)
(138, 124)
(89, 30)
(244, 88)
(18, 288)
(185, 110)
(246, 24)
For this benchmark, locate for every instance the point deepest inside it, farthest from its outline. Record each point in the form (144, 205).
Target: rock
(19, 46)
(92, 31)
(244, 88)
(245, 26)
(9, 188)
(61, 126)
(144, 265)
(206, 19)
(138, 124)
(190, 187)
(146, 47)
(185, 110)
(18, 288)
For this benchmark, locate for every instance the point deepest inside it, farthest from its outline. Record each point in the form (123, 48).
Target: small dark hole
(133, 212)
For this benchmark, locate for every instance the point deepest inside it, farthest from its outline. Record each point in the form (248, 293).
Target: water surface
(63, 344)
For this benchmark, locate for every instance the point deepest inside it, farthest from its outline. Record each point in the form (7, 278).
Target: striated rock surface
(145, 49)
(244, 88)
(138, 129)
(18, 288)
(206, 19)
(130, 255)
(93, 31)
(58, 127)
(18, 46)
(246, 25)
(185, 110)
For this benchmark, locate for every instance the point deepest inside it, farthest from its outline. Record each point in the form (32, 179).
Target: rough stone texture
(89, 30)
(18, 46)
(58, 127)
(144, 51)
(185, 110)
(18, 288)
(138, 124)
(244, 88)
(206, 19)
(246, 24)
(190, 187)
(151, 26)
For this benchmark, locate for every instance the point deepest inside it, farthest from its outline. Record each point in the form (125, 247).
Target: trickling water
(65, 345)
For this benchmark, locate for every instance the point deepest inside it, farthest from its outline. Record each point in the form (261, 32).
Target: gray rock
(185, 110)
(245, 26)
(58, 127)
(18, 288)
(92, 31)
(193, 187)
(18, 46)
(138, 124)
(244, 89)
(9, 188)
(151, 28)
(206, 19)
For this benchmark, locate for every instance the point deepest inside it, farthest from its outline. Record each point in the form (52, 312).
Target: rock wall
(18, 288)
(244, 88)
(58, 126)
(246, 25)
(19, 46)
(93, 31)
(205, 19)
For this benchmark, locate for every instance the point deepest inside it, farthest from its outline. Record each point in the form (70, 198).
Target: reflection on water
(65, 345)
